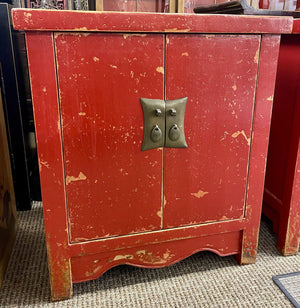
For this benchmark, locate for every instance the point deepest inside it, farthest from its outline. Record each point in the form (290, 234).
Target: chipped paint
(82, 113)
(177, 30)
(270, 98)
(200, 194)
(234, 87)
(242, 132)
(44, 89)
(44, 163)
(141, 252)
(159, 214)
(81, 177)
(209, 36)
(121, 257)
(113, 66)
(27, 17)
(125, 36)
(185, 54)
(256, 57)
(96, 59)
(81, 29)
(160, 69)
(224, 136)
(165, 201)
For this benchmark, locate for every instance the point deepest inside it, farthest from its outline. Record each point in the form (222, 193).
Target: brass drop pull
(174, 133)
(156, 134)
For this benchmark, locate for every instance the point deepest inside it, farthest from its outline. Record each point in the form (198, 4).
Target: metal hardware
(175, 110)
(154, 123)
(160, 117)
(174, 133)
(156, 134)
(158, 112)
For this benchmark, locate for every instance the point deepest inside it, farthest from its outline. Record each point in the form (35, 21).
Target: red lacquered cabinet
(282, 186)
(108, 202)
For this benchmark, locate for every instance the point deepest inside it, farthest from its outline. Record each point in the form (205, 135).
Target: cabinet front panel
(207, 181)
(112, 187)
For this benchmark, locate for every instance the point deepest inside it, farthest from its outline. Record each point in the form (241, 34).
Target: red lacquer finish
(44, 20)
(108, 177)
(48, 135)
(282, 191)
(218, 75)
(259, 142)
(105, 201)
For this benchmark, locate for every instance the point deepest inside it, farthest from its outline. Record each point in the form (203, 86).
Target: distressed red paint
(282, 187)
(106, 202)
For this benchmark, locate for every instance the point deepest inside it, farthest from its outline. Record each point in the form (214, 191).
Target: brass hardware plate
(175, 110)
(163, 123)
(154, 123)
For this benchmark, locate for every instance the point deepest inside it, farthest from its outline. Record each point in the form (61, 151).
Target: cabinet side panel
(47, 122)
(289, 228)
(113, 188)
(285, 96)
(259, 144)
(207, 181)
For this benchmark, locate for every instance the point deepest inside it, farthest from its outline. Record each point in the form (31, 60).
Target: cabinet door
(207, 181)
(112, 187)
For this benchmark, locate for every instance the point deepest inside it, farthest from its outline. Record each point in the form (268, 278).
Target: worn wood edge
(51, 20)
(65, 277)
(142, 256)
(53, 211)
(287, 250)
(162, 236)
(259, 144)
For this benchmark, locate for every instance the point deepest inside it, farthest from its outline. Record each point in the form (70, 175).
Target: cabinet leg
(288, 247)
(60, 280)
(248, 246)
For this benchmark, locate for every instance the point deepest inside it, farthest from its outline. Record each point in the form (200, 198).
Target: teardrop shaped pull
(174, 133)
(156, 134)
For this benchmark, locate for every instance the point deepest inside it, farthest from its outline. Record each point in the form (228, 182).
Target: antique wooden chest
(282, 186)
(152, 133)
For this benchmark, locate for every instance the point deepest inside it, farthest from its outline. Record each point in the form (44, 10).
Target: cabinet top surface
(53, 20)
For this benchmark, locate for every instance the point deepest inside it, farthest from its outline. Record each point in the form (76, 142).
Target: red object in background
(282, 186)
(286, 5)
(106, 202)
(264, 4)
(135, 5)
